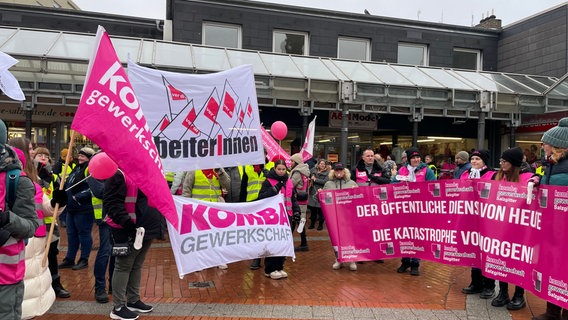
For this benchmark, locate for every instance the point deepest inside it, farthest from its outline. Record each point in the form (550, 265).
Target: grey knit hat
(463, 155)
(557, 136)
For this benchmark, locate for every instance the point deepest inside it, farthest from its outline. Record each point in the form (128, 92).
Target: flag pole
(61, 183)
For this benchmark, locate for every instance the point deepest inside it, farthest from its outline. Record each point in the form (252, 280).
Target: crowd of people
(121, 212)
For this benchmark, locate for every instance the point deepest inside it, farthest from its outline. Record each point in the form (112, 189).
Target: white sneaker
(353, 266)
(274, 275)
(223, 266)
(336, 265)
(283, 274)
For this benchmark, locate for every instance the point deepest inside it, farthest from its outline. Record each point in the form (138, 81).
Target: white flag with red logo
(307, 151)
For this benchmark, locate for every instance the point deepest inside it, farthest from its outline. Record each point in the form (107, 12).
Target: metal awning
(54, 63)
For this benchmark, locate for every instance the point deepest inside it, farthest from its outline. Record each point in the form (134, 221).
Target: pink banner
(273, 149)
(484, 224)
(109, 114)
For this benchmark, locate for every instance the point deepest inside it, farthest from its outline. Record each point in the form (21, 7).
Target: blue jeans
(102, 259)
(79, 227)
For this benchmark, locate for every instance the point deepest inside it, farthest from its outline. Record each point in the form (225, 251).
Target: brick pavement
(312, 291)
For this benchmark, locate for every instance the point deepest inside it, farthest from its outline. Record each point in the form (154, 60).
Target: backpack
(12, 178)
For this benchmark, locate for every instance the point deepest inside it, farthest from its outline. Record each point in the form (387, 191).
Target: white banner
(200, 121)
(214, 233)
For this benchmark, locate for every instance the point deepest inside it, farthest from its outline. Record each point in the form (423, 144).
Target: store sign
(540, 122)
(359, 120)
(49, 114)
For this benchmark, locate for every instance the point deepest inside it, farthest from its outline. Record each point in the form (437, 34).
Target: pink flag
(109, 114)
(273, 149)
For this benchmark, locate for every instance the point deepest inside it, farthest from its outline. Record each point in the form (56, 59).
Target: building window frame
(305, 35)
(226, 26)
(425, 52)
(365, 41)
(478, 58)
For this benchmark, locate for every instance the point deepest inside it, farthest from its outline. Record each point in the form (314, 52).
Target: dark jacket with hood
(267, 190)
(80, 198)
(23, 220)
(148, 217)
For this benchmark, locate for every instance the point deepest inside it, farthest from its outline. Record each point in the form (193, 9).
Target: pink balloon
(102, 167)
(279, 130)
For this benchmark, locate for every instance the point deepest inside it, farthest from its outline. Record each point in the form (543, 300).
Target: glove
(59, 196)
(43, 173)
(278, 186)
(535, 179)
(297, 216)
(4, 218)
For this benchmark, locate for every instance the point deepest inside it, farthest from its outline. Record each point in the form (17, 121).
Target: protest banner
(200, 121)
(214, 233)
(484, 224)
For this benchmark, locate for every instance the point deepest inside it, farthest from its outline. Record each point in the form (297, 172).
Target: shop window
(354, 48)
(413, 54)
(467, 59)
(221, 35)
(290, 42)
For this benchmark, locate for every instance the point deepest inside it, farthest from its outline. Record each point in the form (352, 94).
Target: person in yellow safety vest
(252, 177)
(206, 185)
(428, 159)
(170, 178)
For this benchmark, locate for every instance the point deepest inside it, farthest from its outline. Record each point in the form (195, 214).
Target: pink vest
(41, 230)
(129, 203)
(287, 192)
(420, 174)
(12, 256)
(362, 180)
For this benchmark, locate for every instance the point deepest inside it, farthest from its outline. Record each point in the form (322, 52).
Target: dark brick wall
(536, 45)
(258, 20)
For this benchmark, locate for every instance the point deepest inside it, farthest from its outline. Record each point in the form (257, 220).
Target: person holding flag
(127, 212)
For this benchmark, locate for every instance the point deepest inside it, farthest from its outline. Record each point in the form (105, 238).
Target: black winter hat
(483, 154)
(412, 152)
(514, 156)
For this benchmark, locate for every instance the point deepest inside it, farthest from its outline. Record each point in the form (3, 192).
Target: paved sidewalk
(312, 291)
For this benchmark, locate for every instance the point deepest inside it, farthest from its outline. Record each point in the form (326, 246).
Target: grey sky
(460, 12)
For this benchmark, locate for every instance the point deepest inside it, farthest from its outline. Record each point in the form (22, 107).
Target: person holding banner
(555, 147)
(414, 171)
(251, 182)
(368, 172)
(510, 170)
(207, 185)
(300, 176)
(340, 178)
(276, 182)
(479, 170)
(130, 217)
